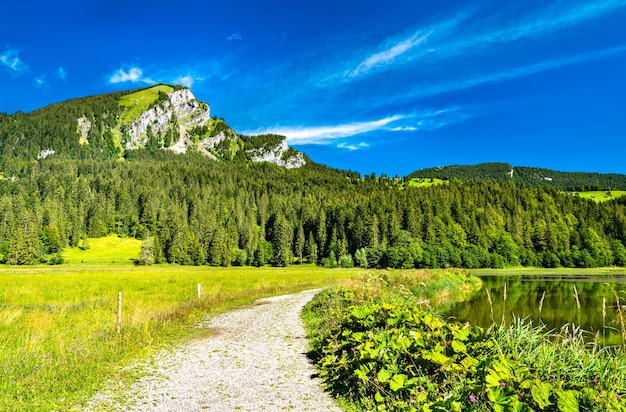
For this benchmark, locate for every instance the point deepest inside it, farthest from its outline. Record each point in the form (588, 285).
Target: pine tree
(298, 248)
(281, 236)
(146, 256)
(311, 249)
(24, 246)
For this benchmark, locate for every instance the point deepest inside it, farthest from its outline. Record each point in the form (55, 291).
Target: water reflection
(524, 295)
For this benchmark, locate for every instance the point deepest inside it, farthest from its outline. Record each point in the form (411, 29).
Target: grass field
(601, 196)
(425, 182)
(136, 103)
(58, 337)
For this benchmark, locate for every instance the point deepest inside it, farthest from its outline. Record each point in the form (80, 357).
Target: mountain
(239, 209)
(531, 176)
(160, 117)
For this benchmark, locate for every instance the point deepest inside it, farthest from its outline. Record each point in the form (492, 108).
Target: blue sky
(385, 87)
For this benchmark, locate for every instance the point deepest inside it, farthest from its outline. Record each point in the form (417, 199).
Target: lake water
(524, 294)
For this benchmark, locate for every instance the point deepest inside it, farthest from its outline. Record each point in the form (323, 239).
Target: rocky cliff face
(177, 121)
(182, 109)
(278, 156)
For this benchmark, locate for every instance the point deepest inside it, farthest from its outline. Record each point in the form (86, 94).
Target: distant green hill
(531, 176)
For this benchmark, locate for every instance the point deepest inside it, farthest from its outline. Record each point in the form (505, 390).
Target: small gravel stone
(255, 361)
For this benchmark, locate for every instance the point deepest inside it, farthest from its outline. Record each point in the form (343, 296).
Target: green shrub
(378, 350)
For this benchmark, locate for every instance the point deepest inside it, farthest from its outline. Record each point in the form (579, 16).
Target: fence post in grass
(119, 311)
(199, 291)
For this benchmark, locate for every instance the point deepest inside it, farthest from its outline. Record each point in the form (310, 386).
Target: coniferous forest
(195, 211)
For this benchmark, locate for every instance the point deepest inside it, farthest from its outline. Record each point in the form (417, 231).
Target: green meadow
(425, 182)
(602, 196)
(59, 341)
(138, 102)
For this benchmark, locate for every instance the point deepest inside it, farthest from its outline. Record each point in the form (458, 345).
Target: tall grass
(58, 337)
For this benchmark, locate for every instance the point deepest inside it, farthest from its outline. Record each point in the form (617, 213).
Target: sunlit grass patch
(136, 103)
(110, 249)
(425, 182)
(601, 196)
(58, 336)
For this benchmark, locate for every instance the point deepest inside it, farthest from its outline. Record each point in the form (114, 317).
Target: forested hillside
(112, 126)
(192, 210)
(531, 176)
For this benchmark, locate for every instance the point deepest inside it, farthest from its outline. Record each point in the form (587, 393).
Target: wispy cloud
(353, 147)
(326, 134)
(388, 55)
(10, 60)
(61, 73)
(133, 75)
(41, 82)
(448, 39)
(187, 80)
(234, 36)
(508, 74)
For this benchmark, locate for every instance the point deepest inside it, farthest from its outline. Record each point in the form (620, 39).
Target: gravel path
(254, 361)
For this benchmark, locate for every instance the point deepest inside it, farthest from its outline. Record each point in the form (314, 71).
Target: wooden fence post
(119, 311)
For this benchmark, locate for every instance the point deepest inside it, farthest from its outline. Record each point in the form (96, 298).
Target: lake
(524, 294)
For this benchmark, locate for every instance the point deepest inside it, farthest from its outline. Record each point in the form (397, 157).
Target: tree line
(194, 211)
(531, 176)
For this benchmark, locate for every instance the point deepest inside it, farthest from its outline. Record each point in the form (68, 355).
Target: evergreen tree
(24, 247)
(311, 249)
(298, 243)
(281, 236)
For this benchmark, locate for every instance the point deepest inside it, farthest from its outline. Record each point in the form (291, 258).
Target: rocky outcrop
(211, 142)
(84, 126)
(182, 106)
(180, 123)
(277, 156)
(45, 153)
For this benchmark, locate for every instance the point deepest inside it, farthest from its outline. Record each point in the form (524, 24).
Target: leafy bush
(346, 261)
(378, 350)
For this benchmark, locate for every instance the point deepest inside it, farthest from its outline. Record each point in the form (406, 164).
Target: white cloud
(326, 134)
(41, 82)
(184, 80)
(133, 75)
(187, 80)
(234, 36)
(10, 59)
(353, 147)
(61, 73)
(389, 55)
(448, 40)
(514, 73)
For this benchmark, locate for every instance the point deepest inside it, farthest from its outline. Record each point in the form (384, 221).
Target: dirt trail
(255, 361)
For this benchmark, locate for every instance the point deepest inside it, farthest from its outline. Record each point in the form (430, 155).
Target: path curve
(254, 361)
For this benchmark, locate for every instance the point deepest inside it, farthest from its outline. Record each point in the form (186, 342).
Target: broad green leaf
(384, 375)
(392, 321)
(567, 401)
(469, 363)
(397, 382)
(461, 335)
(379, 398)
(432, 322)
(361, 312)
(458, 346)
(437, 358)
(498, 398)
(540, 392)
